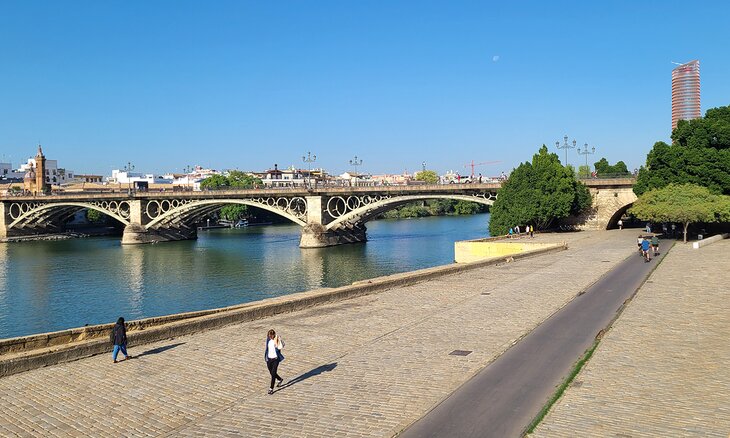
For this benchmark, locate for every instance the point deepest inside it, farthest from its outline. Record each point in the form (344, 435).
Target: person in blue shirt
(645, 249)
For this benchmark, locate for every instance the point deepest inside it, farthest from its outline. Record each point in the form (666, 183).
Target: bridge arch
(364, 213)
(191, 210)
(618, 214)
(24, 213)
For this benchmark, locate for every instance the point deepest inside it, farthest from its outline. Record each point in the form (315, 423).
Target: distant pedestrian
(273, 356)
(664, 229)
(517, 230)
(655, 245)
(532, 231)
(639, 241)
(510, 232)
(674, 230)
(648, 227)
(620, 224)
(119, 339)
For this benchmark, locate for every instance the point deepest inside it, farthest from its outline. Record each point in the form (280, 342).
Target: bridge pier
(317, 236)
(135, 234)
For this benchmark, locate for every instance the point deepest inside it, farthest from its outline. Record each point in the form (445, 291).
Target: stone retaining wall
(35, 351)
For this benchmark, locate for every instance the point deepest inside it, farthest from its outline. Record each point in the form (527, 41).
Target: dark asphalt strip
(503, 398)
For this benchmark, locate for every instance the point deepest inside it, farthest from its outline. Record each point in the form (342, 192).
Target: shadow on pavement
(159, 349)
(315, 372)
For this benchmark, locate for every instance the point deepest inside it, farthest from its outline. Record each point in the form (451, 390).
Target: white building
(126, 177)
(6, 171)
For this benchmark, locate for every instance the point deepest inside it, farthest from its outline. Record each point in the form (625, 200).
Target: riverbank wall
(29, 352)
(469, 251)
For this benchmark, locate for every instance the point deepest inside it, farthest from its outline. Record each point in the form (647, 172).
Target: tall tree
(683, 203)
(538, 193)
(699, 154)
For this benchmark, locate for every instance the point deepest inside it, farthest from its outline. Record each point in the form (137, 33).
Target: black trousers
(273, 366)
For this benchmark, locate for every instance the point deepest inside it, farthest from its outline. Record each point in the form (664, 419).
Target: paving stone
(365, 367)
(662, 369)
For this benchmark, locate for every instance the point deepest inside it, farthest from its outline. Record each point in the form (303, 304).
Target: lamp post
(565, 146)
(586, 152)
(309, 159)
(188, 168)
(128, 168)
(354, 163)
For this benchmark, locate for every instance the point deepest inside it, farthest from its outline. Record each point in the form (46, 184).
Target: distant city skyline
(245, 85)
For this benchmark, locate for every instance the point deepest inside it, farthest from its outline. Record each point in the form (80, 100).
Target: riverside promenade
(664, 367)
(367, 366)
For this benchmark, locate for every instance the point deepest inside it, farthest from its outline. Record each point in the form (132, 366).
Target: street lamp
(586, 152)
(354, 163)
(309, 159)
(188, 169)
(128, 168)
(565, 146)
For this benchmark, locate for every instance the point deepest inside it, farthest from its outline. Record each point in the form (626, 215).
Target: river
(53, 285)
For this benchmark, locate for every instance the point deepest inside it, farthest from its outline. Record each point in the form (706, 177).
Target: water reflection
(48, 286)
(133, 267)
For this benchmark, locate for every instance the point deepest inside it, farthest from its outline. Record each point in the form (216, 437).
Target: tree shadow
(159, 349)
(315, 372)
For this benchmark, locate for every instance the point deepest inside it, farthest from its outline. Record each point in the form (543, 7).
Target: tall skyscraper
(686, 92)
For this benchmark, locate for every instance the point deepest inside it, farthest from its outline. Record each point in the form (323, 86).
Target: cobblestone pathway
(663, 370)
(368, 366)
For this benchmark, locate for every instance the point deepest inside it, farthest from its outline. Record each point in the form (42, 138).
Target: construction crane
(473, 165)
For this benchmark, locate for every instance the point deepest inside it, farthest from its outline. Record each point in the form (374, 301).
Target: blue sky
(246, 84)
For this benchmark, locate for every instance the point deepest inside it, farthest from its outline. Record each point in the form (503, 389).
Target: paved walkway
(503, 399)
(368, 366)
(664, 368)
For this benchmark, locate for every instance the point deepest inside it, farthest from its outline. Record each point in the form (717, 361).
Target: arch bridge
(328, 216)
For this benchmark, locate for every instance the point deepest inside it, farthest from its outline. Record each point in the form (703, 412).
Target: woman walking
(119, 339)
(273, 356)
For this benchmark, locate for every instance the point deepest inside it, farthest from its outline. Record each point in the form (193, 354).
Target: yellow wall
(474, 250)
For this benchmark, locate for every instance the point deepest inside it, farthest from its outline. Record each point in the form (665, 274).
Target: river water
(53, 285)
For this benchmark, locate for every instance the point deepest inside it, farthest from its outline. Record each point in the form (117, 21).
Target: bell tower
(40, 172)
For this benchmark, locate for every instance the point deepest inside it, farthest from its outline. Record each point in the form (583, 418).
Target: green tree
(584, 171)
(241, 180)
(215, 182)
(429, 176)
(699, 154)
(466, 207)
(234, 212)
(538, 193)
(94, 216)
(603, 168)
(683, 203)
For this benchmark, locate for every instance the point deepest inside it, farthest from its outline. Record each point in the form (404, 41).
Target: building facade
(686, 92)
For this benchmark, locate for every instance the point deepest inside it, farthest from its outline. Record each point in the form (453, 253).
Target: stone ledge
(710, 240)
(36, 351)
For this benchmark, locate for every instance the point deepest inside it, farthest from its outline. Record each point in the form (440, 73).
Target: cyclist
(645, 249)
(655, 245)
